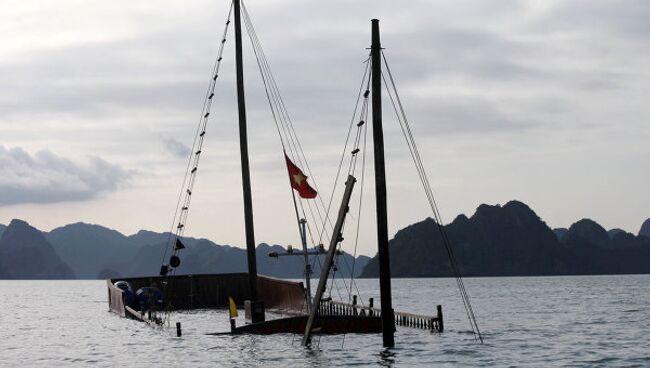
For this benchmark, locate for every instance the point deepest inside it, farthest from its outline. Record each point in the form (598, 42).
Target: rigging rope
(361, 184)
(181, 213)
(290, 143)
(360, 132)
(290, 132)
(278, 109)
(415, 155)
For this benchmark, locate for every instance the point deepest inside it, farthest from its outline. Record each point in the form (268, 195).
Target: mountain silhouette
(587, 231)
(508, 240)
(203, 256)
(511, 240)
(87, 248)
(26, 254)
(613, 232)
(645, 228)
(94, 251)
(560, 232)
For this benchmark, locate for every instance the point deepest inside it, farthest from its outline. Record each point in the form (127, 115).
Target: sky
(545, 102)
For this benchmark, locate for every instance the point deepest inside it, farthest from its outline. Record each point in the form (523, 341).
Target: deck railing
(334, 308)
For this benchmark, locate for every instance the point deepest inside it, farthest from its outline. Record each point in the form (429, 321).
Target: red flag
(299, 180)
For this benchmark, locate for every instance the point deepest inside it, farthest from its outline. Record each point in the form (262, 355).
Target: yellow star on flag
(298, 178)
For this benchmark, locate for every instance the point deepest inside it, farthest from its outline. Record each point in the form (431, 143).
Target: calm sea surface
(590, 321)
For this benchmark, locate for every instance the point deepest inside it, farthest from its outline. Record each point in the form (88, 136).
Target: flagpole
(293, 195)
(303, 235)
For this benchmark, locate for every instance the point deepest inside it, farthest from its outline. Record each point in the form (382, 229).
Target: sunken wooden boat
(151, 299)
(282, 297)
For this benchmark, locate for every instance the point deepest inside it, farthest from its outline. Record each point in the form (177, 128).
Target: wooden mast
(245, 170)
(387, 315)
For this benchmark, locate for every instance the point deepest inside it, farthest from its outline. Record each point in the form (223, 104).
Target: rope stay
(360, 135)
(417, 160)
(287, 132)
(316, 211)
(174, 243)
(283, 124)
(358, 147)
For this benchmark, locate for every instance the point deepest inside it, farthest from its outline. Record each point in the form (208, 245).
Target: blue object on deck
(149, 298)
(129, 295)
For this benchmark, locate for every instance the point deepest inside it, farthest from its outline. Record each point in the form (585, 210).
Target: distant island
(511, 240)
(508, 240)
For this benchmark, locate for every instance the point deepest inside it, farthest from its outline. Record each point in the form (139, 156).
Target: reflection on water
(387, 357)
(576, 321)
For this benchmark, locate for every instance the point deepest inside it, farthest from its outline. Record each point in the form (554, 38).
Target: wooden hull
(186, 292)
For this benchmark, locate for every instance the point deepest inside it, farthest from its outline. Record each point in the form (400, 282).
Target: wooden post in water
(387, 316)
(441, 325)
(178, 329)
(257, 309)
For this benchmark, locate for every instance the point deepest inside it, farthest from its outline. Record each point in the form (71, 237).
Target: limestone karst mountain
(26, 254)
(511, 240)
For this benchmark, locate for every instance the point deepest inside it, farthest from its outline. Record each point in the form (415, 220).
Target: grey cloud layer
(454, 46)
(48, 178)
(176, 147)
(485, 84)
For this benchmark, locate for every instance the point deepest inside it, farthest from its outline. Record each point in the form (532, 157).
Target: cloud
(48, 178)
(176, 147)
(487, 87)
(473, 115)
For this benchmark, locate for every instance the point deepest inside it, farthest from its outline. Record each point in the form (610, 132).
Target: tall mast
(387, 316)
(245, 167)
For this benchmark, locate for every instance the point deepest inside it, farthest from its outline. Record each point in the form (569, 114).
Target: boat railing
(335, 308)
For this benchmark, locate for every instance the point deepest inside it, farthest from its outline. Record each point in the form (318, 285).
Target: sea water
(582, 321)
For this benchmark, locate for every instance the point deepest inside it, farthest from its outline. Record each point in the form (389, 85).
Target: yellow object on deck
(233, 307)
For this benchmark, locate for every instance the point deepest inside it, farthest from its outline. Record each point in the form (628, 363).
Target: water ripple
(598, 321)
